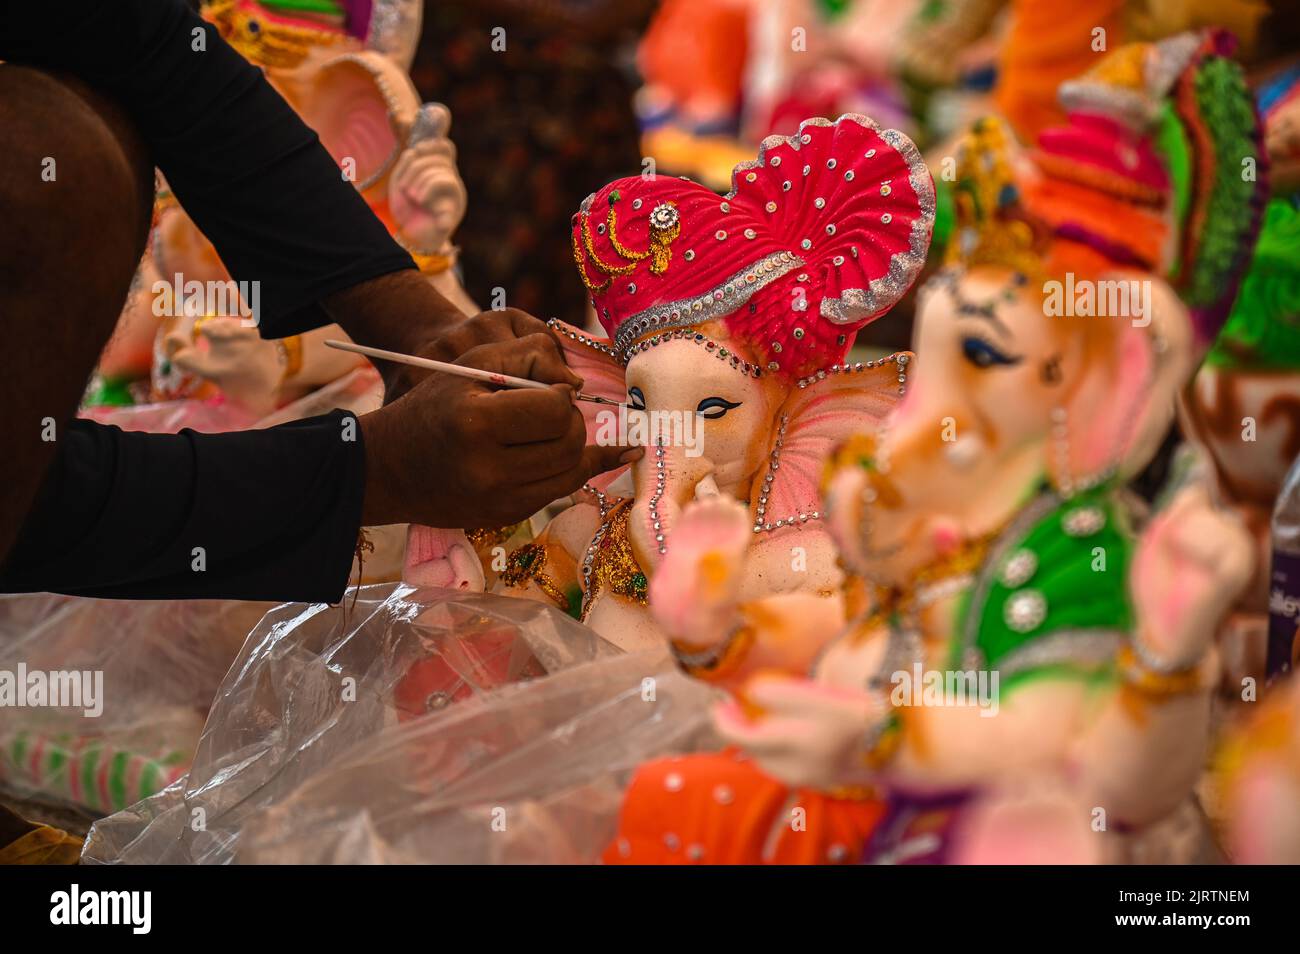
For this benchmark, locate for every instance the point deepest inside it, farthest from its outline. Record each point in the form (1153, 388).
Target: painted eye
(637, 398)
(714, 407)
(984, 355)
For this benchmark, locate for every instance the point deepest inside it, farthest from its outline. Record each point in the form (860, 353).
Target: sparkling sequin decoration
(660, 477)
(1019, 568)
(1083, 521)
(762, 523)
(900, 360)
(716, 349)
(1025, 610)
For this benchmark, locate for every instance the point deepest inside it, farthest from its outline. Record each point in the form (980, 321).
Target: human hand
(402, 311)
(455, 452)
(451, 341)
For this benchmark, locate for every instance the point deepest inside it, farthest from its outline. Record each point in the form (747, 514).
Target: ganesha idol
(342, 66)
(1025, 672)
(729, 321)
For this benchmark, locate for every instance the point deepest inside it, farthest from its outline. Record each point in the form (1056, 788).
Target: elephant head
(343, 69)
(730, 317)
(1004, 399)
(1083, 288)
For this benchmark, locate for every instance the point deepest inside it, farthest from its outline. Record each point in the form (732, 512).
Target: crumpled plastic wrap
(161, 661)
(415, 725)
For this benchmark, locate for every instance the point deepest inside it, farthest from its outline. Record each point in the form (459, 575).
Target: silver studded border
(718, 350)
(715, 303)
(661, 538)
(854, 304)
(573, 334)
(761, 522)
(901, 359)
(1093, 648)
(588, 561)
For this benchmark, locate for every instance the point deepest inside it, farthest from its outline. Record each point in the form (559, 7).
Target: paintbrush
(491, 377)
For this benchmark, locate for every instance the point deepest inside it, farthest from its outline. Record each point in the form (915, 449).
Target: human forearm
(399, 311)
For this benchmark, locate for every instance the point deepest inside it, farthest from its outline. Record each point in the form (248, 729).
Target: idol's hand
(697, 587)
(426, 195)
(808, 735)
(453, 452)
(1191, 563)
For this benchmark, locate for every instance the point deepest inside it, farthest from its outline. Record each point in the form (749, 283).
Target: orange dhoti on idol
(721, 809)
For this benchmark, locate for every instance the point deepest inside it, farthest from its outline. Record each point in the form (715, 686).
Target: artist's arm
(273, 514)
(121, 514)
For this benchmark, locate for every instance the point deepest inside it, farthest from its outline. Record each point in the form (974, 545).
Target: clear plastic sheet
(161, 663)
(415, 726)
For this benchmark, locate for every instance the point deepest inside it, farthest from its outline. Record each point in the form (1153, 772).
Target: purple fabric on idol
(916, 830)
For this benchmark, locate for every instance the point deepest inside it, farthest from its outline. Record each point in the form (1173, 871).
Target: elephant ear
(1115, 419)
(362, 106)
(833, 406)
(592, 359)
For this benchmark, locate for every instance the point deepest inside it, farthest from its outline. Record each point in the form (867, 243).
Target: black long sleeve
(259, 515)
(247, 170)
(267, 514)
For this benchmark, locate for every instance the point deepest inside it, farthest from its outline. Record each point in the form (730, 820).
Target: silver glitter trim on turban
(715, 303)
(856, 304)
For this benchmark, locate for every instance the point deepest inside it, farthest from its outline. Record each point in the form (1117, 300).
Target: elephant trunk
(666, 480)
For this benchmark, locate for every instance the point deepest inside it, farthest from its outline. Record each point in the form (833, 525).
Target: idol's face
(711, 417)
(976, 416)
